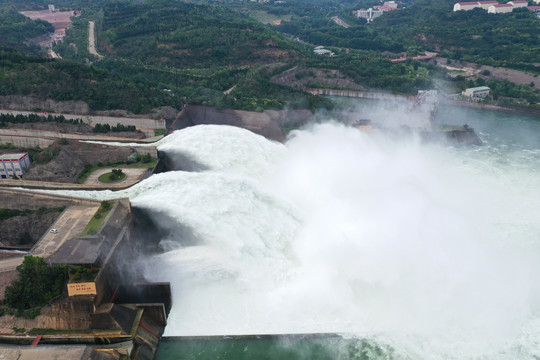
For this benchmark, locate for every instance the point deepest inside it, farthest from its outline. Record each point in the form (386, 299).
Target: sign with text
(88, 288)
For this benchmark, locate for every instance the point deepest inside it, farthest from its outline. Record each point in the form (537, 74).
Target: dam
(393, 247)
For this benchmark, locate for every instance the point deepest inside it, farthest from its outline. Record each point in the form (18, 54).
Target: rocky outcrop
(34, 224)
(301, 77)
(269, 123)
(17, 102)
(65, 313)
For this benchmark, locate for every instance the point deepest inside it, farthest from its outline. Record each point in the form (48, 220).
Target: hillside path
(92, 40)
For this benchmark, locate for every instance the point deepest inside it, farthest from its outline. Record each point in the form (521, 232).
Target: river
(408, 250)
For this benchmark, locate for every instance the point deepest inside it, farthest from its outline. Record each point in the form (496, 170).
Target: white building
(479, 92)
(519, 3)
(13, 164)
(486, 4)
(474, 4)
(392, 4)
(51, 8)
(500, 9)
(465, 5)
(368, 14)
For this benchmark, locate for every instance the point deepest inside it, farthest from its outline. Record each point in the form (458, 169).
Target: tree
(38, 284)
(117, 174)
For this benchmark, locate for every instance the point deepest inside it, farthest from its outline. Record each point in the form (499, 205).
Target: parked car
(54, 231)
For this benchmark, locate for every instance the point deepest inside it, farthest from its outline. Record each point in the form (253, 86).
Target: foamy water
(429, 250)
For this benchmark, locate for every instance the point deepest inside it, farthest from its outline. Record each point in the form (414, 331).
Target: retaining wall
(268, 123)
(25, 141)
(358, 94)
(24, 199)
(139, 123)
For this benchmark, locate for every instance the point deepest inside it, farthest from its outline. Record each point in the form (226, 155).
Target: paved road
(133, 176)
(92, 41)
(340, 22)
(70, 225)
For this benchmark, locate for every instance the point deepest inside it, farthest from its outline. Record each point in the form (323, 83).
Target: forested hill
(67, 80)
(508, 40)
(16, 29)
(179, 34)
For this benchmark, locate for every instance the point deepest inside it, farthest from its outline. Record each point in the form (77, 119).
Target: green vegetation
(68, 80)
(105, 128)
(34, 118)
(16, 29)
(87, 170)
(95, 223)
(47, 331)
(38, 284)
(24, 238)
(144, 162)
(159, 132)
(508, 40)
(212, 52)
(82, 274)
(116, 175)
(8, 213)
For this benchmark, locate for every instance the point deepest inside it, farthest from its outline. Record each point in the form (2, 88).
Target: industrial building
(479, 92)
(14, 164)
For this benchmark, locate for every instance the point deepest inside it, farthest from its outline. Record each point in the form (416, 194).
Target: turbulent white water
(431, 250)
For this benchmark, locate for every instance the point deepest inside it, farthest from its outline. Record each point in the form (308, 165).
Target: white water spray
(430, 250)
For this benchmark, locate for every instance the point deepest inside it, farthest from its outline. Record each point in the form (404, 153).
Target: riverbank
(477, 105)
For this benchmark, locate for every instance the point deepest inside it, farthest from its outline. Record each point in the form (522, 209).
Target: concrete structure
(479, 92)
(519, 3)
(13, 164)
(124, 316)
(139, 122)
(368, 14)
(51, 8)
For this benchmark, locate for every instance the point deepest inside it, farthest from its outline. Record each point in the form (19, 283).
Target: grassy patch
(108, 178)
(141, 164)
(82, 274)
(159, 132)
(8, 213)
(89, 169)
(95, 223)
(45, 331)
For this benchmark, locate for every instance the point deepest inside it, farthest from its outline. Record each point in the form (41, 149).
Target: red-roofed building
(519, 3)
(474, 4)
(486, 4)
(500, 9)
(13, 164)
